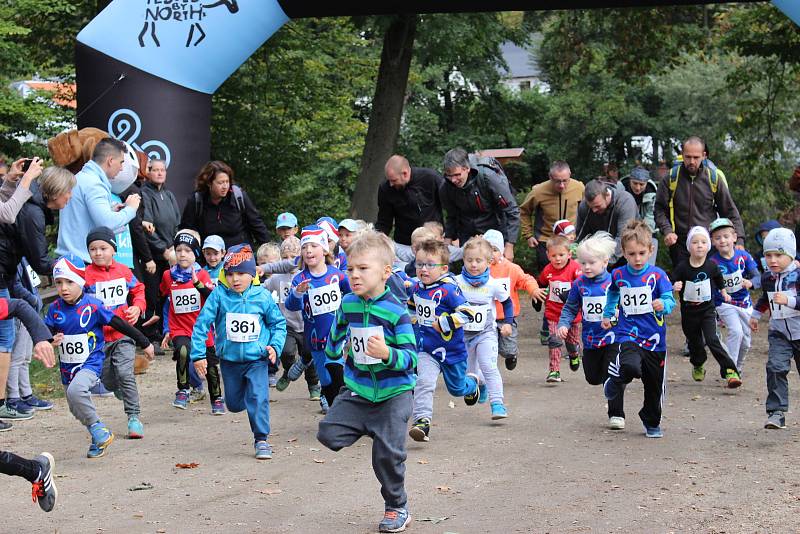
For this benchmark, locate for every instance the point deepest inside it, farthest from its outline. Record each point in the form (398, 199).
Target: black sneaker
(44, 490)
(4, 426)
(511, 363)
(470, 399)
(420, 429)
(574, 362)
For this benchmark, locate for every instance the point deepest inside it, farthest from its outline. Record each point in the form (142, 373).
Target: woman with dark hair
(218, 207)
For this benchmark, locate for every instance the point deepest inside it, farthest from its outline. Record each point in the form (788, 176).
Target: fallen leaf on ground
(443, 488)
(434, 520)
(422, 461)
(270, 491)
(141, 486)
(318, 461)
(451, 404)
(187, 466)
(291, 440)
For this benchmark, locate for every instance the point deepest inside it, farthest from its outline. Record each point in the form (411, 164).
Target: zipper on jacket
(367, 306)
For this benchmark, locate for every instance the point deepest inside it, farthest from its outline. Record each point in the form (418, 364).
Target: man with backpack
(694, 193)
(477, 197)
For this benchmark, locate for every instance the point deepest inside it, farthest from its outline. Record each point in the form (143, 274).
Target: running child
(270, 253)
(586, 299)
(695, 279)
(213, 252)
(513, 279)
(558, 276)
(378, 373)
(332, 231)
(77, 320)
(249, 332)
(565, 228)
(186, 287)
(114, 284)
(441, 313)
(286, 225)
(317, 291)
(349, 229)
(779, 297)
(643, 294)
(738, 268)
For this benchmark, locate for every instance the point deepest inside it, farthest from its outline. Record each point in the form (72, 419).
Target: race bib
(481, 318)
(358, 342)
(697, 291)
(426, 311)
(733, 282)
(33, 277)
(112, 292)
(636, 300)
(559, 291)
(593, 309)
(779, 311)
(75, 348)
(324, 299)
(505, 283)
(242, 327)
(283, 291)
(185, 300)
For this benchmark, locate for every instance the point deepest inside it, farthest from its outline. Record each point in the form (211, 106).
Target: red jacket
(116, 287)
(559, 283)
(182, 315)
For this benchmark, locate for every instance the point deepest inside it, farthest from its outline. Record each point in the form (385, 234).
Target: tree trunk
(384, 118)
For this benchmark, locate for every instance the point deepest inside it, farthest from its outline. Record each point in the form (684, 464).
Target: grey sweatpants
(118, 373)
(351, 417)
(779, 363)
(19, 379)
(79, 398)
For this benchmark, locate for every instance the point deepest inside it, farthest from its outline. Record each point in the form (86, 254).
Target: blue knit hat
(239, 259)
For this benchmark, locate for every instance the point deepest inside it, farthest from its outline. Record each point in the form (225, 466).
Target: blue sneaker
(484, 395)
(653, 431)
(181, 399)
(101, 439)
(611, 388)
(37, 404)
(323, 404)
(499, 410)
(263, 450)
(135, 428)
(101, 391)
(20, 406)
(218, 407)
(296, 370)
(394, 520)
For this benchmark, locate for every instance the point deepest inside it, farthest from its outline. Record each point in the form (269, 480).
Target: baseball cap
(214, 242)
(286, 220)
(722, 222)
(350, 224)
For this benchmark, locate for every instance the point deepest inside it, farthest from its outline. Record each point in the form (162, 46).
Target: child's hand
(605, 323)
(562, 332)
(538, 294)
(165, 341)
(505, 330)
(677, 286)
(747, 284)
(302, 287)
(201, 366)
(57, 339)
(271, 354)
(376, 348)
(150, 353)
(658, 305)
(781, 299)
(152, 320)
(753, 325)
(132, 314)
(725, 296)
(43, 351)
(194, 277)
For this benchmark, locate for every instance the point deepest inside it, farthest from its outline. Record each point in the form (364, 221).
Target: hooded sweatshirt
(783, 319)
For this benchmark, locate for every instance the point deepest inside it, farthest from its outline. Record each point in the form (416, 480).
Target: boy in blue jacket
(249, 331)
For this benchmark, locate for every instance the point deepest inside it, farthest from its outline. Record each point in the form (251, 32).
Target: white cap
(214, 242)
(495, 238)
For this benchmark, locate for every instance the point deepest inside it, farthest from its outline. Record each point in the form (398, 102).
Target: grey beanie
(781, 240)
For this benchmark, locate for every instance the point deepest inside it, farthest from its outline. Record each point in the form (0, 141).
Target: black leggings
(700, 329)
(17, 466)
(595, 369)
(183, 346)
(337, 381)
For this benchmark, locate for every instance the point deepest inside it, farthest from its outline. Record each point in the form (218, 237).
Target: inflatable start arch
(146, 69)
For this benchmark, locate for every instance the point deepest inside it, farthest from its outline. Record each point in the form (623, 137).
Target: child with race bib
(695, 279)
(779, 297)
(513, 279)
(378, 372)
(249, 332)
(441, 313)
(332, 231)
(738, 269)
(558, 276)
(213, 252)
(269, 253)
(113, 284)
(293, 367)
(77, 320)
(317, 291)
(643, 294)
(186, 287)
(480, 335)
(586, 299)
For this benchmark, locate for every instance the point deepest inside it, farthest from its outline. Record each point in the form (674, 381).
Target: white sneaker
(616, 423)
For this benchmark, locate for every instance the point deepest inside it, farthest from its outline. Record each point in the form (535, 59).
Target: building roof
(63, 93)
(502, 153)
(521, 62)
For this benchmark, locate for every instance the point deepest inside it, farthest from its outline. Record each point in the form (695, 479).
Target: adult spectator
(605, 209)
(219, 207)
(407, 199)
(476, 200)
(693, 194)
(92, 203)
(15, 191)
(550, 201)
(611, 174)
(643, 190)
(160, 221)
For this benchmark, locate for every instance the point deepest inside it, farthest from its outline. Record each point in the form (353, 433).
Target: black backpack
(482, 163)
(238, 195)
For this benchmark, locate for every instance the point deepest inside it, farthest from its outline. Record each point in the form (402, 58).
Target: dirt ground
(551, 467)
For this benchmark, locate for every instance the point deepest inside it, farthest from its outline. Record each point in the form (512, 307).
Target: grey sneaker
(9, 412)
(196, 395)
(44, 490)
(776, 420)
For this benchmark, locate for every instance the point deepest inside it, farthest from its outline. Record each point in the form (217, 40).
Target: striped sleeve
(402, 344)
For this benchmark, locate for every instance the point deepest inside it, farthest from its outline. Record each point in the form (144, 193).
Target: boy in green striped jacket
(379, 374)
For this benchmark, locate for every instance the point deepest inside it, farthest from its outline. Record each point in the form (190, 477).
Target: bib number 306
(324, 299)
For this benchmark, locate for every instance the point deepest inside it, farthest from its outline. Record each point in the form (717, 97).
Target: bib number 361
(242, 327)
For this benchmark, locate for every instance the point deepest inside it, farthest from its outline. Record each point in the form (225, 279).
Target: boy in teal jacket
(249, 330)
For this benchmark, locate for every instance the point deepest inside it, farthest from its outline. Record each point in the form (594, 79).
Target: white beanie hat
(693, 231)
(495, 238)
(781, 240)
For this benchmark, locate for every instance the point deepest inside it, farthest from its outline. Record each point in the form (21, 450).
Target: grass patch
(46, 382)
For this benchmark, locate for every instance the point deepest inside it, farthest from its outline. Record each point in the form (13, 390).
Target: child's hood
(766, 226)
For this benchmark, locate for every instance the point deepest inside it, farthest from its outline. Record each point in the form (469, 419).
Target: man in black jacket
(407, 199)
(477, 199)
